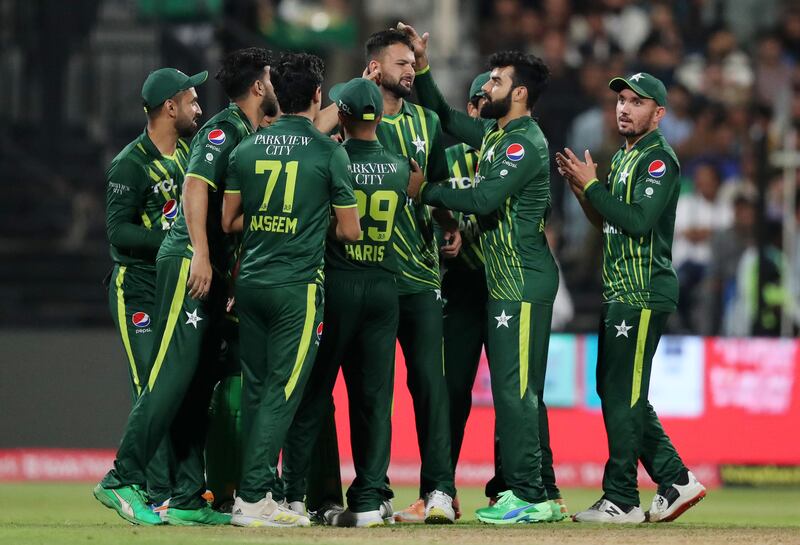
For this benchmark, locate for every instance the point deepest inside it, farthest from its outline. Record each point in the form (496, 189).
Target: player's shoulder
(659, 159)
(130, 160)
(524, 141)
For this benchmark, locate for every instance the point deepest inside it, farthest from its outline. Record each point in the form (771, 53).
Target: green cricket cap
(165, 83)
(476, 89)
(359, 98)
(643, 84)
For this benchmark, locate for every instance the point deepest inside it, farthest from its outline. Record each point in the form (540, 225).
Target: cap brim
(197, 79)
(335, 91)
(618, 84)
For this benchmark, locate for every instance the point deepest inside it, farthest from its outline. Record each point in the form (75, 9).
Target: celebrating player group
(256, 261)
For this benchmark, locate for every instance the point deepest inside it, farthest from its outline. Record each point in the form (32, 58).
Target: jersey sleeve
(233, 182)
(126, 192)
(506, 176)
(456, 123)
(436, 169)
(208, 160)
(656, 180)
(341, 182)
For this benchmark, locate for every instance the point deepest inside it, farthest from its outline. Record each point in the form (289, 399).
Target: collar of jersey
(645, 141)
(362, 144)
(237, 111)
(405, 109)
(150, 147)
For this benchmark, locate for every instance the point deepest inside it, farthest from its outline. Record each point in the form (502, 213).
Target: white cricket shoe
(352, 519)
(608, 512)
(266, 512)
(387, 511)
(675, 500)
(328, 513)
(439, 508)
(298, 507)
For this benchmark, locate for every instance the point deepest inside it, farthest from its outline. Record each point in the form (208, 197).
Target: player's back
(380, 179)
(289, 175)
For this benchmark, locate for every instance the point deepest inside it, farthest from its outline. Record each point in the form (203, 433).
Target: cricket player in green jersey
(511, 196)
(142, 196)
(529, 252)
(361, 317)
(282, 183)
(189, 311)
(415, 132)
(635, 210)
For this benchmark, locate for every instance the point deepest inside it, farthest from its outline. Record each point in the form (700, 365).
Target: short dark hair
(383, 39)
(241, 68)
(295, 78)
(529, 71)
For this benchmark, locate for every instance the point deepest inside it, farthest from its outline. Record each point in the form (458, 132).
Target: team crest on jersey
(140, 319)
(170, 209)
(515, 152)
(657, 168)
(216, 137)
(320, 327)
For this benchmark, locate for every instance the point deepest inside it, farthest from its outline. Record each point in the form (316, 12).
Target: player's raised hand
(415, 180)
(373, 74)
(419, 43)
(578, 172)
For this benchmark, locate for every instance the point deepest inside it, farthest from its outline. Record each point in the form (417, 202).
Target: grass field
(51, 514)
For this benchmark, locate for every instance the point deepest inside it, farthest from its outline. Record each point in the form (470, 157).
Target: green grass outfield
(47, 514)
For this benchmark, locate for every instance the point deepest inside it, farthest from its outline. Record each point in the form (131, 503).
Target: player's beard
(636, 131)
(394, 87)
(495, 109)
(270, 105)
(186, 127)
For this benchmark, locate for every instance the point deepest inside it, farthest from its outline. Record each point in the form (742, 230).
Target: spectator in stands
(727, 247)
(677, 124)
(592, 39)
(773, 69)
(698, 217)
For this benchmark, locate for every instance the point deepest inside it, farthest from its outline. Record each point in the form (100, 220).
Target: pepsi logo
(515, 152)
(140, 319)
(657, 169)
(170, 209)
(217, 137)
(319, 330)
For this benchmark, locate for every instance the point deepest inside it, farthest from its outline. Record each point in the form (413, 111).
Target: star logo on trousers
(419, 143)
(503, 319)
(622, 329)
(193, 318)
(438, 294)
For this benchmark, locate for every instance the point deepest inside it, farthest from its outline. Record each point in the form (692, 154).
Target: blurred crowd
(732, 69)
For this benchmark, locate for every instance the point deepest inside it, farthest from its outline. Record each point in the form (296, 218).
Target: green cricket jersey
(415, 133)
(289, 175)
(380, 179)
(462, 161)
(142, 196)
(511, 197)
(211, 149)
(638, 203)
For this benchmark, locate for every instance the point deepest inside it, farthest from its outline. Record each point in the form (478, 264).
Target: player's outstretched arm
(454, 122)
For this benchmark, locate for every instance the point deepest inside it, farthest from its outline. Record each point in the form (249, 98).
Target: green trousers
(420, 335)
(519, 337)
(175, 399)
(361, 315)
(280, 331)
(464, 324)
(628, 339)
(131, 300)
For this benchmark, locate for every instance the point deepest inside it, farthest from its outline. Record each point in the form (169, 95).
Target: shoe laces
(507, 496)
(440, 497)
